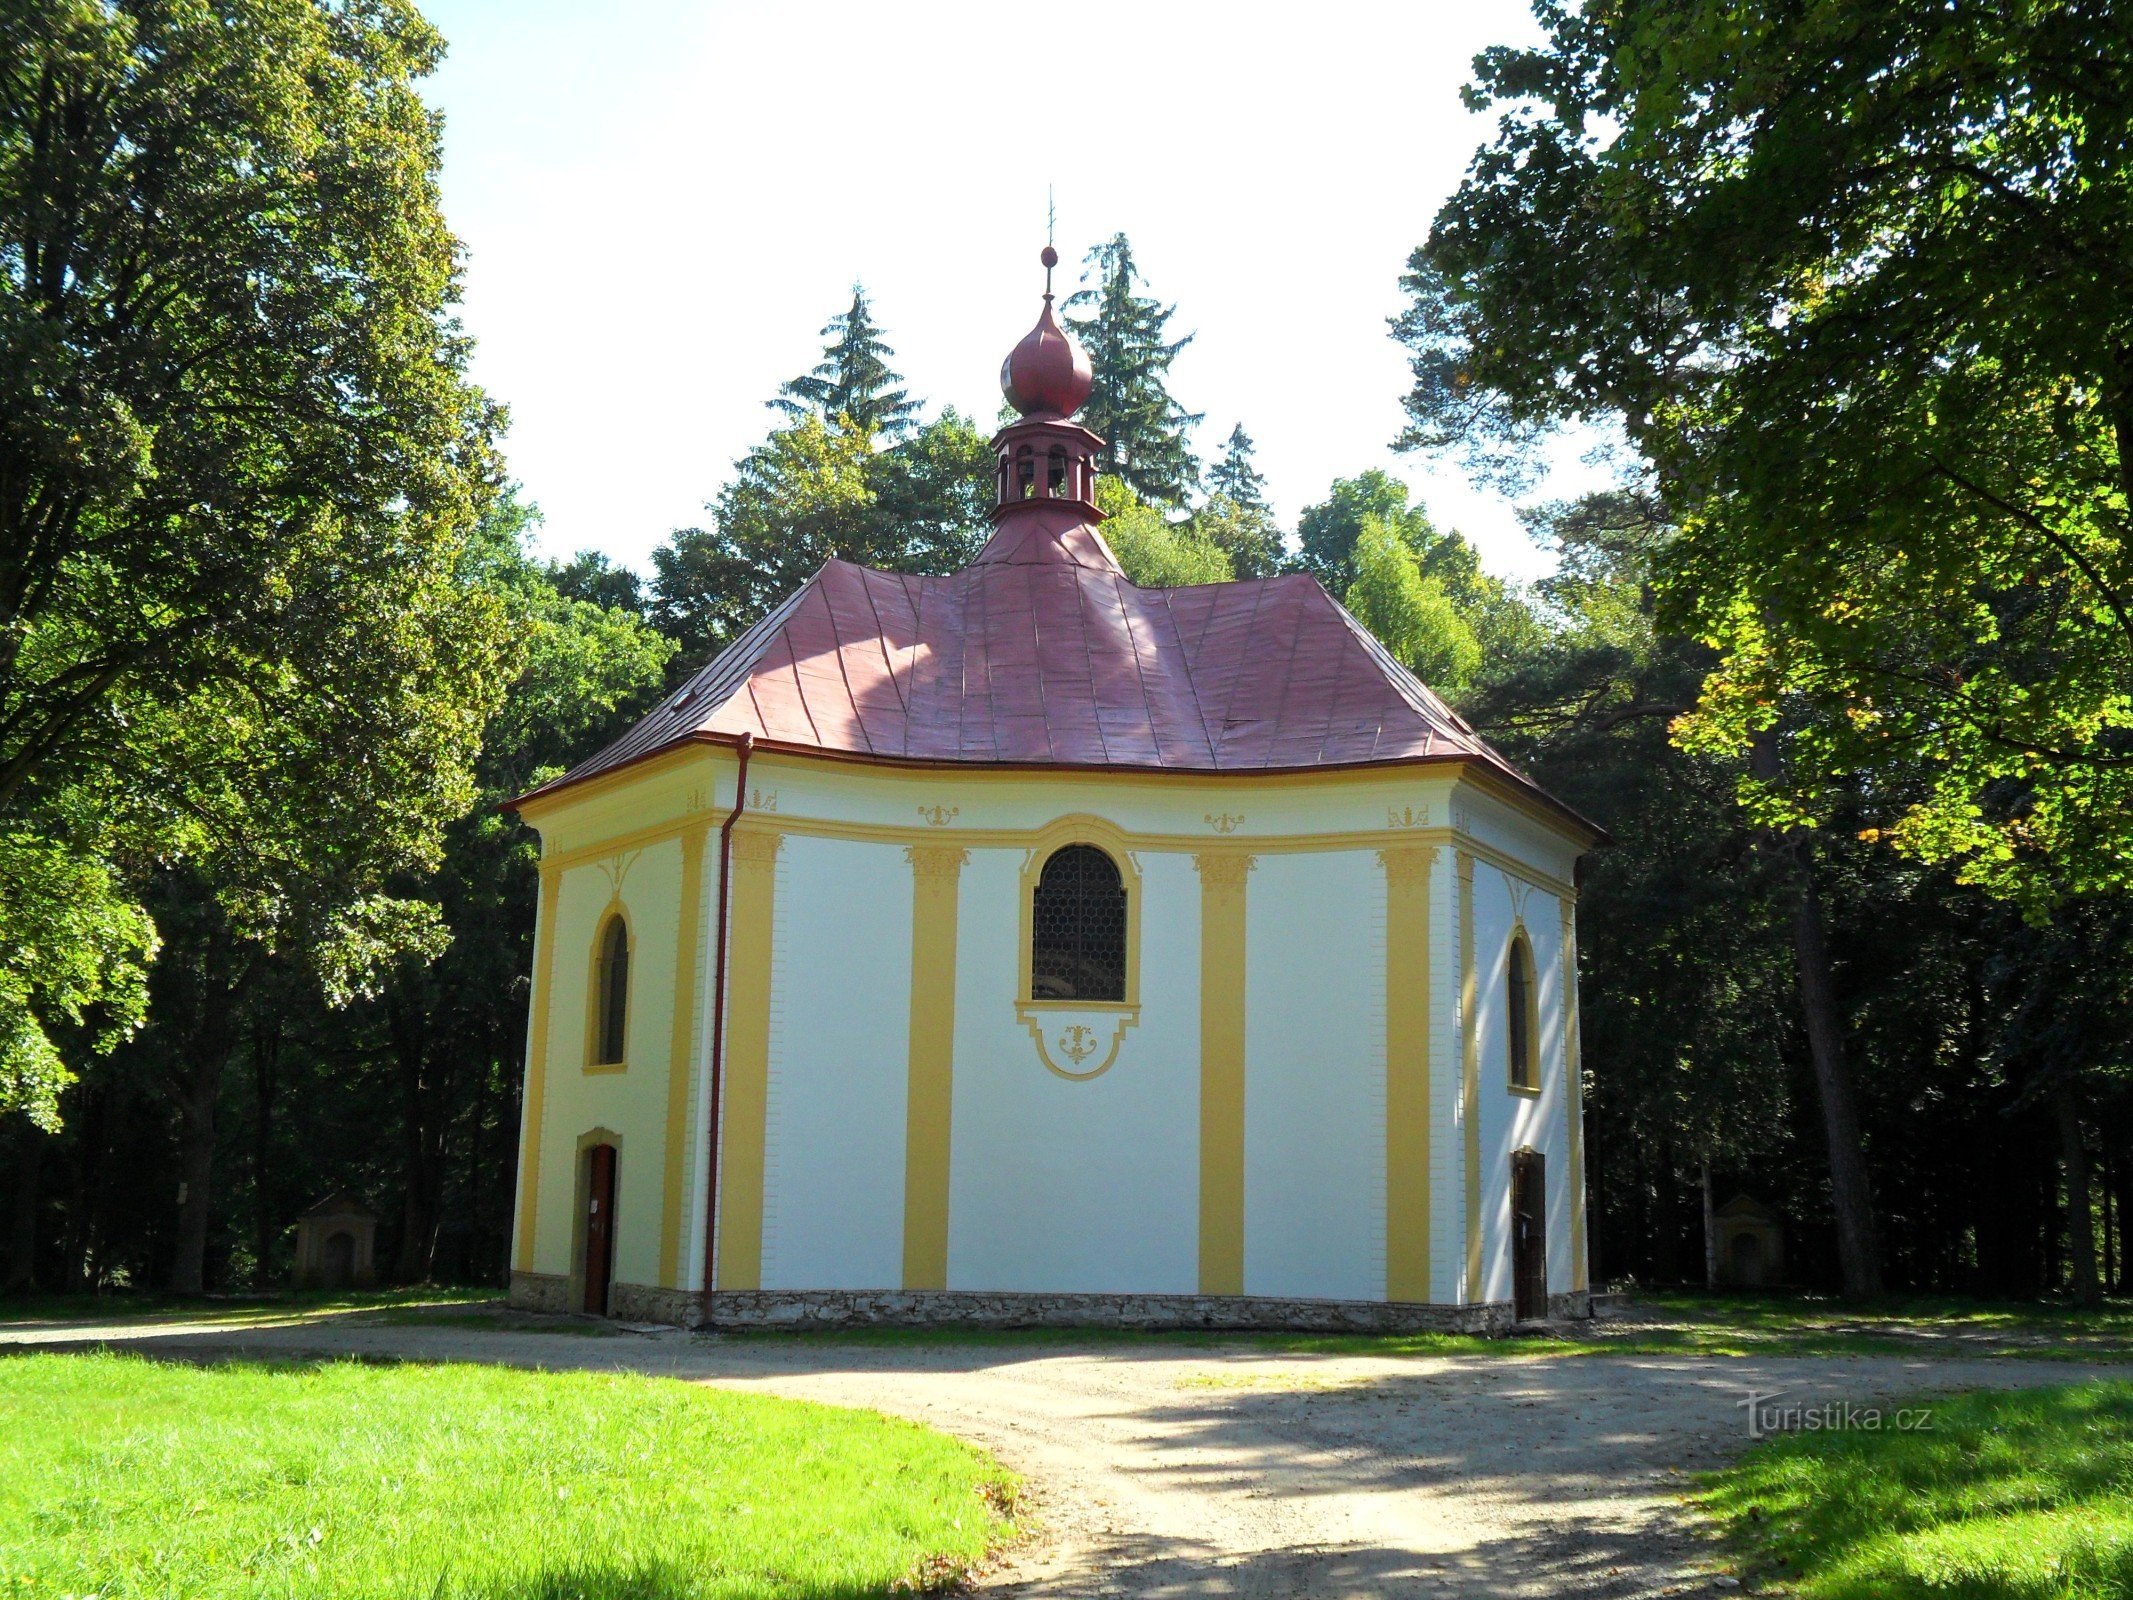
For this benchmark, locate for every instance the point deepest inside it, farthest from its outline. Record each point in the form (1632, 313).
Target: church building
(1024, 946)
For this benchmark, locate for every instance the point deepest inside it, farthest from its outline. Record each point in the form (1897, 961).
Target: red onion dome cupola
(1047, 460)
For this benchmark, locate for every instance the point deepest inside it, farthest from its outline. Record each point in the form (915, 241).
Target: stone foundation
(641, 1302)
(539, 1291)
(972, 1308)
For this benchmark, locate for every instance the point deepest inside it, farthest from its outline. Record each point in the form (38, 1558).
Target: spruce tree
(853, 379)
(1234, 476)
(1143, 427)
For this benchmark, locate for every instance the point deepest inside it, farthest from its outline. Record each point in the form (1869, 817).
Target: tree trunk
(2080, 1218)
(22, 1233)
(1858, 1252)
(266, 1084)
(196, 1160)
(1666, 1242)
(206, 1052)
(422, 1183)
(1710, 1231)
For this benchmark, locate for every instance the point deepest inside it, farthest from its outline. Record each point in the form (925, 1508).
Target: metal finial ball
(1050, 257)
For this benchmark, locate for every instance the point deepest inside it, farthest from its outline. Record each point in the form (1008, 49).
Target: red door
(599, 1226)
(1529, 1235)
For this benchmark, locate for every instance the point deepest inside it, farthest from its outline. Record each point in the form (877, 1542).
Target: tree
(590, 576)
(1235, 477)
(1247, 537)
(810, 492)
(1851, 277)
(1236, 518)
(1411, 615)
(1846, 277)
(453, 1025)
(1145, 430)
(853, 381)
(1154, 552)
(72, 941)
(1330, 533)
(1327, 532)
(238, 452)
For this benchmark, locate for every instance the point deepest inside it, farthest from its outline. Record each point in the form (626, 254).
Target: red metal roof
(1042, 654)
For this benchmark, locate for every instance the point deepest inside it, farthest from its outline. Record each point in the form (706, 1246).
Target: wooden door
(599, 1226)
(1529, 1234)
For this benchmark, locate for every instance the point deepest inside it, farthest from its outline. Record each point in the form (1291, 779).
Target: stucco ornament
(1077, 1043)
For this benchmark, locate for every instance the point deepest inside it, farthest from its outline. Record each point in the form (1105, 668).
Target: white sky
(663, 202)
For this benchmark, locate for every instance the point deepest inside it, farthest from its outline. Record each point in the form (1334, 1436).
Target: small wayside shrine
(1025, 946)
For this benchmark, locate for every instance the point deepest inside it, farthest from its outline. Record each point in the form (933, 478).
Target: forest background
(1844, 663)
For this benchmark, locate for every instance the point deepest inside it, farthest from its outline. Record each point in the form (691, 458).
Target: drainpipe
(718, 1017)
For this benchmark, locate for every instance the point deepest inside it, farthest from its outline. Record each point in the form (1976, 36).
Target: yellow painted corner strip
(745, 1094)
(936, 878)
(529, 1155)
(1407, 1108)
(1222, 880)
(680, 1050)
(1470, 1074)
(1573, 1095)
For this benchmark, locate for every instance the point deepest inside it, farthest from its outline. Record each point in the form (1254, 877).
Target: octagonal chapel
(1024, 946)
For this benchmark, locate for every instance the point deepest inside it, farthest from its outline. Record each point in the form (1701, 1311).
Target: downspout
(718, 1018)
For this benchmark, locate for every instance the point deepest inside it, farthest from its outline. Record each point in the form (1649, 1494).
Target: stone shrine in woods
(1022, 945)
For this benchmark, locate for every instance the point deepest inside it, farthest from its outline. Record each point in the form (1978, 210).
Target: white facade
(893, 1118)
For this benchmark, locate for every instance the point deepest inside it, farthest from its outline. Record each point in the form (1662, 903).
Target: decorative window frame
(595, 996)
(1530, 1085)
(1068, 1033)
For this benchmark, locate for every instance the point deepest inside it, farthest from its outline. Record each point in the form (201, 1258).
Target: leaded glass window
(614, 993)
(1078, 928)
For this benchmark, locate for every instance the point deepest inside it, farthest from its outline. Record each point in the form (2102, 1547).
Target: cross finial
(1050, 258)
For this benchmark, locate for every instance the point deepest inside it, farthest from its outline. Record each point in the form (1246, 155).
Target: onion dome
(1048, 373)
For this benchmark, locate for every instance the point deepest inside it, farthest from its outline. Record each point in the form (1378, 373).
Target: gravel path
(1159, 1470)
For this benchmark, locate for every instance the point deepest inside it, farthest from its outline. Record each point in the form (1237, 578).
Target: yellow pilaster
(1470, 1073)
(529, 1150)
(745, 1094)
(1222, 878)
(680, 1050)
(1407, 1108)
(1573, 1092)
(936, 877)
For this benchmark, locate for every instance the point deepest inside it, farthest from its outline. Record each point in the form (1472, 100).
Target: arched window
(1078, 928)
(1524, 1018)
(611, 983)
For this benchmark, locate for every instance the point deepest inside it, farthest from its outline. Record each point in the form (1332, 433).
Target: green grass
(132, 1480)
(23, 1311)
(2007, 1497)
(1795, 1324)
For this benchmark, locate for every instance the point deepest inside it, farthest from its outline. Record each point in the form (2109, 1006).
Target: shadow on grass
(2001, 1497)
(31, 1311)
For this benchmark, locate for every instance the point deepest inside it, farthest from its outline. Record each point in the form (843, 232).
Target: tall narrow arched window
(611, 984)
(1524, 1019)
(1078, 928)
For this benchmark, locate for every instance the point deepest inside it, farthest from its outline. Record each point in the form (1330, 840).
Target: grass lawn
(20, 1312)
(2008, 1497)
(127, 1479)
(1775, 1324)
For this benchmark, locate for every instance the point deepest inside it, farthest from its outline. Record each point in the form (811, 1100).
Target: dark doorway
(1529, 1235)
(599, 1226)
(338, 1270)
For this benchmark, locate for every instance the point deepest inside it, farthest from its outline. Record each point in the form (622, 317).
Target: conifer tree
(1235, 476)
(1143, 427)
(853, 379)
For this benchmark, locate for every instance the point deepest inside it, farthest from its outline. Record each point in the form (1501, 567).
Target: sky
(663, 202)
